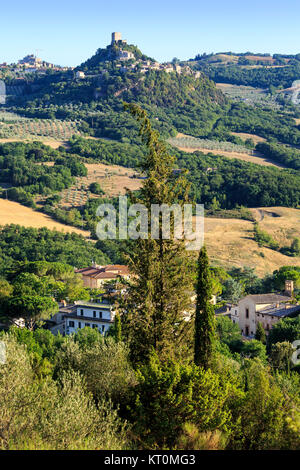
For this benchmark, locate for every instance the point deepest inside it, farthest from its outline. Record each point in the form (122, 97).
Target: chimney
(289, 288)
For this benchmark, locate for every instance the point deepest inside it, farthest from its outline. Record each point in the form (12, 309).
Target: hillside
(15, 213)
(230, 242)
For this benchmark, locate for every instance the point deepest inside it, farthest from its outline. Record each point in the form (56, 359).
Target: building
(117, 38)
(125, 55)
(82, 314)
(95, 276)
(267, 309)
(80, 74)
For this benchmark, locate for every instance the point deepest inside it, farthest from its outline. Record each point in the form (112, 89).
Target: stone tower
(289, 288)
(115, 37)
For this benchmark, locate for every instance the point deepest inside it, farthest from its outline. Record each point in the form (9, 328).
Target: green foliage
(287, 329)
(22, 167)
(257, 77)
(18, 244)
(232, 290)
(260, 334)
(102, 362)
(96, 188)
(170, 394)
(281, 354)
(228, 332)
(264, 239)
(288, 156)
(153, 314)
(48, 414)
(205, 315)
(267, 419)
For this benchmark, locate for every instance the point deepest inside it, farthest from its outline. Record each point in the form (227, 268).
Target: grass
(113, 179)
(14, 213)
(230, 241)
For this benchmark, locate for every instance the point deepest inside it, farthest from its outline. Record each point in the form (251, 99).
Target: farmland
(113, 179)
(230, 241)
(13, 126)
(227, 149)
(248, 94)
(14, 213)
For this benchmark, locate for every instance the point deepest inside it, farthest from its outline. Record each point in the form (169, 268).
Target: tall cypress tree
(153, 314)
(205, 315)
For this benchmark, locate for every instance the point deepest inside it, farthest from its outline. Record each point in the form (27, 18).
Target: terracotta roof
(268, 298)
(110, 271)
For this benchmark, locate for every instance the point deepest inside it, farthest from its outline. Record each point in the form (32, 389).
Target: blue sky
(67, 32)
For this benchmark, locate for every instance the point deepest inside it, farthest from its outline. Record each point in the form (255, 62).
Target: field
(14, 213)
(113, 179)
(227, 149)
(244, 135)
(248, 94)
(17, 127)
(230, 241)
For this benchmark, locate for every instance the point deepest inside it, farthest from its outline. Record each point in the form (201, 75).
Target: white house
(82, 314)
(80, 74)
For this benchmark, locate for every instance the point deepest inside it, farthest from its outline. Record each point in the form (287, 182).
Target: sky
(67, 32)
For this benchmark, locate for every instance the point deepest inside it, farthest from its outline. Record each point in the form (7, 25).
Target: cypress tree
(260, 334)
(160, 291)
(117, 328)
(205, 315)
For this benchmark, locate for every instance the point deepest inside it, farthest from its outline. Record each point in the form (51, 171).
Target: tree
(281, 354)
(233, 290)
(160, 290)
(118, 328)
(169, 394)
(260, 334)
(33, 308)
(205, 315)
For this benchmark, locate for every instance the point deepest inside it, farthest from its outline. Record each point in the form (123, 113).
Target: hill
(15, 213)
(230, 242)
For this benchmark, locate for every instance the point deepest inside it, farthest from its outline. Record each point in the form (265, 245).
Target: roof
(82, 303)
(280, 311)
(268, 298)
(111, 271)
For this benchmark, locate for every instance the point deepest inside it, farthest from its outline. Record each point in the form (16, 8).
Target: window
(247, 331)
(79, 324)
(247, 312)
(94, 314)
(81, 311)
(103, 328)
(87, 324)
(100, 314)
(94, 325)
(71, 324)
